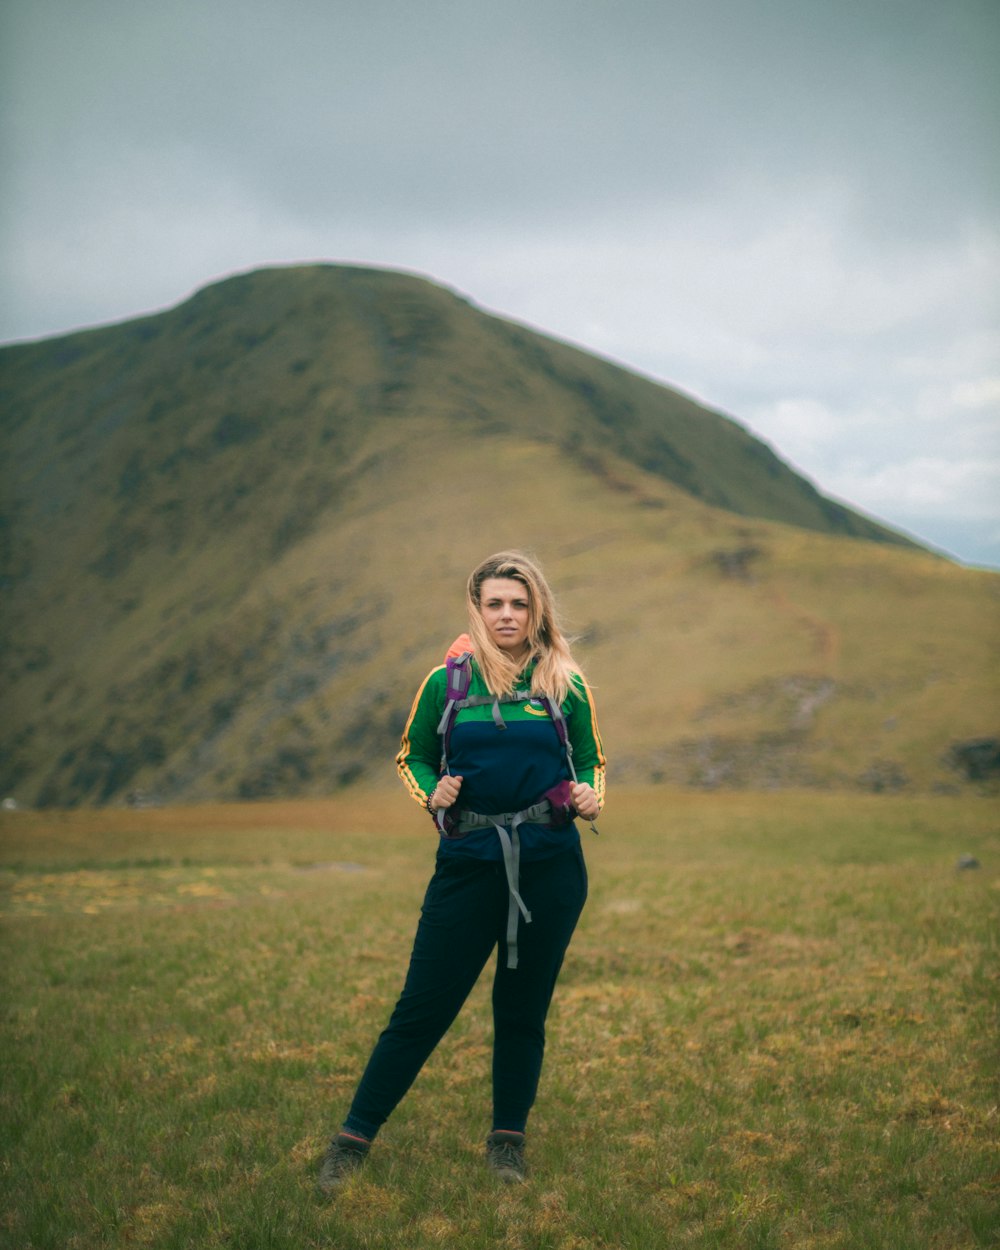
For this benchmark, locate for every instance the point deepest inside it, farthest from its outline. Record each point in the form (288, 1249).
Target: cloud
(980, 395)
(928, 486)
(789, 211)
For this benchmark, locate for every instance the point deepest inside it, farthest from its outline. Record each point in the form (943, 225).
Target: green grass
(775, 1028)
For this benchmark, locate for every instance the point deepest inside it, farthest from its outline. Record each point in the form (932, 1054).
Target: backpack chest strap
(482, 700)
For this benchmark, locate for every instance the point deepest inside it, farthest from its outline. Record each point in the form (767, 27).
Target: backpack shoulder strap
(459, 677)
(559, 720)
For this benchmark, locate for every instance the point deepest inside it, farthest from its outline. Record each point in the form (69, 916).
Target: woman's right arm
(419, 760)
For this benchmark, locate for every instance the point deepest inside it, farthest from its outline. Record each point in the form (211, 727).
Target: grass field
(776, 1027)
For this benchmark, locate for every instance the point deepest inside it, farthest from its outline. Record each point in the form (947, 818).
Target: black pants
(463, 918)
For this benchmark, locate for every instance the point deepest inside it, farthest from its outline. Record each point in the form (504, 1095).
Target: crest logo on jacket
(536, 707)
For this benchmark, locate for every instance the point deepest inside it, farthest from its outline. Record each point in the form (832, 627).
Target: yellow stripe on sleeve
(600, 768)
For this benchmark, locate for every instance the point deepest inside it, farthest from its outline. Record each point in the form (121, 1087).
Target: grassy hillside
(237, 535)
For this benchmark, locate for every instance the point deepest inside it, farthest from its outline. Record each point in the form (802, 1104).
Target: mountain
(235, 536)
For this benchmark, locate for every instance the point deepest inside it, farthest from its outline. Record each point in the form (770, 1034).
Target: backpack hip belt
(537, 814)
(507, 824)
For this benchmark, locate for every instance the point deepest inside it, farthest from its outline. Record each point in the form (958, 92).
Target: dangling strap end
(443, 725)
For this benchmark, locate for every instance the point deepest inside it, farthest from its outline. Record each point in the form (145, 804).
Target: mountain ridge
(222, 514)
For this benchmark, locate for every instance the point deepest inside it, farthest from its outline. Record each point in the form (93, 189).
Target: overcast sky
(789, 208)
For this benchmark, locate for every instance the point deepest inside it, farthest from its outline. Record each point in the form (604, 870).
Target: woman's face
(505, 608)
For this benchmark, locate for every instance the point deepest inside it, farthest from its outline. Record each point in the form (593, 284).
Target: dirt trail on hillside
(826, 636)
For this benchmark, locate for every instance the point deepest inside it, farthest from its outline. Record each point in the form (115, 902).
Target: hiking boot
(344, 1156)
(505, 1156)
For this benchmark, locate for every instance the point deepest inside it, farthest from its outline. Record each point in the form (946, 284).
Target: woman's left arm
(585, 739)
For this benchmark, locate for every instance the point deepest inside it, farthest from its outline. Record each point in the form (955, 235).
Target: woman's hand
(585, 800)
(445, 793)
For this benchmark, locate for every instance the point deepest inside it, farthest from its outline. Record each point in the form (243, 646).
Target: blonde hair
(547, 644)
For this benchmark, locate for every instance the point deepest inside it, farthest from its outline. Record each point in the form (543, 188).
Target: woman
(509, 871)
